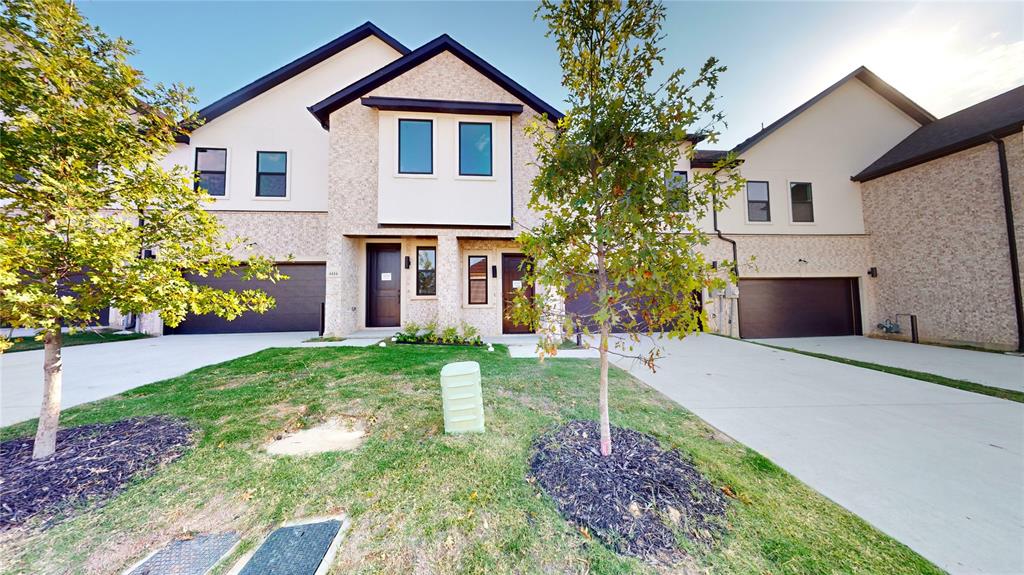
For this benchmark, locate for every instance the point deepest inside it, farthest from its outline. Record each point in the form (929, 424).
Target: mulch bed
(92, 463)
(637, 500)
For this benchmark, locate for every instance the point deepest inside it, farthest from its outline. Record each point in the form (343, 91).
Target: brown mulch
(92, 464)
(637, 500)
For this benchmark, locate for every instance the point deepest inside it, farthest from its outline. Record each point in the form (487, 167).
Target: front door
(512, 272)
(383, 285)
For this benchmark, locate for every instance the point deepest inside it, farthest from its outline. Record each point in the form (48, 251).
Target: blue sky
(945, 56)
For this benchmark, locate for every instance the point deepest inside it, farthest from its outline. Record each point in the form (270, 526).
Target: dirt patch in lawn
(92, 463)
(638, 501)
(332, 435)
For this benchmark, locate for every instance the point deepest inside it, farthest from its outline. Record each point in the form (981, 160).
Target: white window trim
(458, 141)
(227, 169)
(287, 175)
(433, 146)
(789, 193)
(746, 204)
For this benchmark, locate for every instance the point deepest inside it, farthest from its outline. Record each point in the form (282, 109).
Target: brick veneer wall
(938, 237)
(353, 192)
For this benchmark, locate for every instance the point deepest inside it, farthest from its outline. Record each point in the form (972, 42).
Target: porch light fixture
(873, 272)
(408, 262)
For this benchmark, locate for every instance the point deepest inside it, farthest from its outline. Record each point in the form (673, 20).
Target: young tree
(616, 223)
(82, 192)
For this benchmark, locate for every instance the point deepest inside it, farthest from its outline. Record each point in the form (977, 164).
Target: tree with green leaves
(82, 192)
(616, 223)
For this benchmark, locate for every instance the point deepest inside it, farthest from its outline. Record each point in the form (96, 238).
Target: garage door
(799, 307)
(298, 303)
(582, 306)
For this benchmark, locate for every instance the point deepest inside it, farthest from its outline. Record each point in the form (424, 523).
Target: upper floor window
(477, 279)
(678, 182)
(271, 174)
(803, 204)
(758, 208)
(475, 149)
(212, 165)
(426, 271)
(415, 146)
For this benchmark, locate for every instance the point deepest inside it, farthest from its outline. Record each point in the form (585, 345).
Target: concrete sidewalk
(939, 469)
(992, 369)
(93, 372)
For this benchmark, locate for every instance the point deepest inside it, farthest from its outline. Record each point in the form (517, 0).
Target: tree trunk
(53, 371)
(606, 430)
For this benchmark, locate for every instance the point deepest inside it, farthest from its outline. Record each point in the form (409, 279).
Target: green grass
(87, 337)
(999, 392)
(322, 339)
(421, 501)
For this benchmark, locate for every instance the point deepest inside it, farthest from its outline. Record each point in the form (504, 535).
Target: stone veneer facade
(353, 196)
(779, 256)
(938, 238)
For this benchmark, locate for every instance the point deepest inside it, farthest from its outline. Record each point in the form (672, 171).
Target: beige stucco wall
(938, 237)
(277, 120)
(826, 144)
(353, 175)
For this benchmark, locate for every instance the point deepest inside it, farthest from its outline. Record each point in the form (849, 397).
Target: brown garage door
(799, 307)
(581, 306)
(298, 303)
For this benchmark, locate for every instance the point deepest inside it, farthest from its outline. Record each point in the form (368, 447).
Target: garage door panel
(799, 307)
(298, 303)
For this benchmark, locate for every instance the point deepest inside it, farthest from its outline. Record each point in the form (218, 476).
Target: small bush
(428, 334)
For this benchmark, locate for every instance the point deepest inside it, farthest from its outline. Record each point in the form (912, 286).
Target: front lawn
(421, 501)
(85, 337)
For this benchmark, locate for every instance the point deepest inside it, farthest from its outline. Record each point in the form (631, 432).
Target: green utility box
(462, 398)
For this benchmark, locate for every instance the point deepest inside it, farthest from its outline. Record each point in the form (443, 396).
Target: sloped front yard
(420, 501)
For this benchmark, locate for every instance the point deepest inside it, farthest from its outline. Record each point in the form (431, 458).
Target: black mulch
(92, 463)
(635, 501)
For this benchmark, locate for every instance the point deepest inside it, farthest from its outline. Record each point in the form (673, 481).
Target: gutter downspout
(732, 242)
(1018, 302)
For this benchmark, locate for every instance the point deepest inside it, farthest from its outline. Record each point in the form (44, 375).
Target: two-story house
(385, 181)
(390, 185)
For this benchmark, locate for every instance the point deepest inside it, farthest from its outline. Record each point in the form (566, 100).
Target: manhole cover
(295, 550)
(194, 556)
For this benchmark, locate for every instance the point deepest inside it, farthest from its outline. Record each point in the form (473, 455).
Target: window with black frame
(477, 279)
(677, 183)
(426, 271)
(803, 202)
(415, 146)
(212, 166)
(475, 157)
(271, 174)
(758, 204)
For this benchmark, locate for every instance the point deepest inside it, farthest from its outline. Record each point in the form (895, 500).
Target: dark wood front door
(383, 285)
(512, 272)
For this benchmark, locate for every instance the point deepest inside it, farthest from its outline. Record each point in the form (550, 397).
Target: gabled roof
(707, 158)
(894, 96)
(294, 68)
(994, 118)
(322, 110)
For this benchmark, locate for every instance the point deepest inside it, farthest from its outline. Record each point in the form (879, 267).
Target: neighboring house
(925, 229)
(390, 184)
(800, 216)
(944, 210)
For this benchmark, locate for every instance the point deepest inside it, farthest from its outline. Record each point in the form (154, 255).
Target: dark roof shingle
(995, 117)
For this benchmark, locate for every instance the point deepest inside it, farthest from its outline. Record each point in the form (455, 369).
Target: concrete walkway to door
(939, 469)
(93, 372)
(992, 369)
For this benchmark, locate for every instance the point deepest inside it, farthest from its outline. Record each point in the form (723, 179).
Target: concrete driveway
(993, 369)
(939, 469)
(93, 372)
